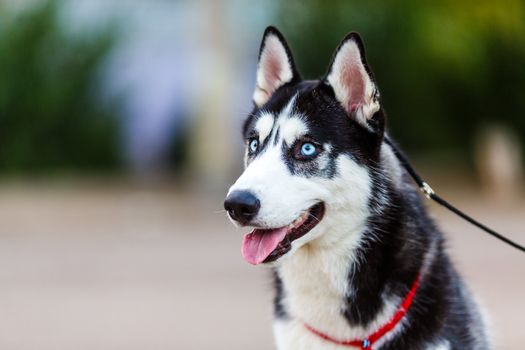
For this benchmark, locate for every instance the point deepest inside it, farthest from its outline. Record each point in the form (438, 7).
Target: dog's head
(310, 147)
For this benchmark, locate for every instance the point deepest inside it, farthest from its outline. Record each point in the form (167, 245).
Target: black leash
(430, 194)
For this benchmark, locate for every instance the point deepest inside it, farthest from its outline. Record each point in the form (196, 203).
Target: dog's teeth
(297, 222)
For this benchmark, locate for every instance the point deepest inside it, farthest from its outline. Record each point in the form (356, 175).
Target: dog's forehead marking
(287, 125)
(292, 128)
(290, 125)
(264, 125)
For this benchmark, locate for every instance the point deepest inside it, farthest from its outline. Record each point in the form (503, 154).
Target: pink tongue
(258, 244)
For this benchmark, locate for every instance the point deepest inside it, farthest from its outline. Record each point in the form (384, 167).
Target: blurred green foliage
(444, 68)
(50, 118)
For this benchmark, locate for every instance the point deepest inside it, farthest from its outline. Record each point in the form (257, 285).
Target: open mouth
(267, 245)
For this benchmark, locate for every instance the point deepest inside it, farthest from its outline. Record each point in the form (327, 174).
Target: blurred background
(120, 134)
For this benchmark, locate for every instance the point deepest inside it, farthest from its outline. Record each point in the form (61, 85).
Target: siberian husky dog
(356, 259)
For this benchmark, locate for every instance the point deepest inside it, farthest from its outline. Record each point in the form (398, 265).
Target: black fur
(401, 233)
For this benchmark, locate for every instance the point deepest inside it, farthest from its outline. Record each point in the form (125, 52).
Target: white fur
(484, 325)
(274, 69)
(291, 335)
(292, 129)
(347, 74)
(264, 126)
(443, 345)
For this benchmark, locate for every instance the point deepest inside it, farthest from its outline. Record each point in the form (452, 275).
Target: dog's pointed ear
(352, 81)
(275, 68)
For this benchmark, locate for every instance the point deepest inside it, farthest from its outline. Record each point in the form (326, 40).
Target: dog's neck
(316, 284)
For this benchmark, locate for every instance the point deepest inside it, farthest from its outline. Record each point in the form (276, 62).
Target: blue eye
(254, 144)
(308, 149)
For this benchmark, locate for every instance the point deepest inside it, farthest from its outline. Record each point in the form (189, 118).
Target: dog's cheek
(324, 166)
(350, 187)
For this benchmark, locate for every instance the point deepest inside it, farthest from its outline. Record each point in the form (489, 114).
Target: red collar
(372, 338)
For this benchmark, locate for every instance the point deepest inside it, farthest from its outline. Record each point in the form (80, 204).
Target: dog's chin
(268, 245)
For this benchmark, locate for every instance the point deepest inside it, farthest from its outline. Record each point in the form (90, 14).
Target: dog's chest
(316, 289)
(315, 286)
(291, 334)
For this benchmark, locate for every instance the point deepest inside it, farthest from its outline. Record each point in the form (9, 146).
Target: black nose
(242, 206)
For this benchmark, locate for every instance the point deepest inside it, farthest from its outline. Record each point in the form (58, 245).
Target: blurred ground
(128, 267)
